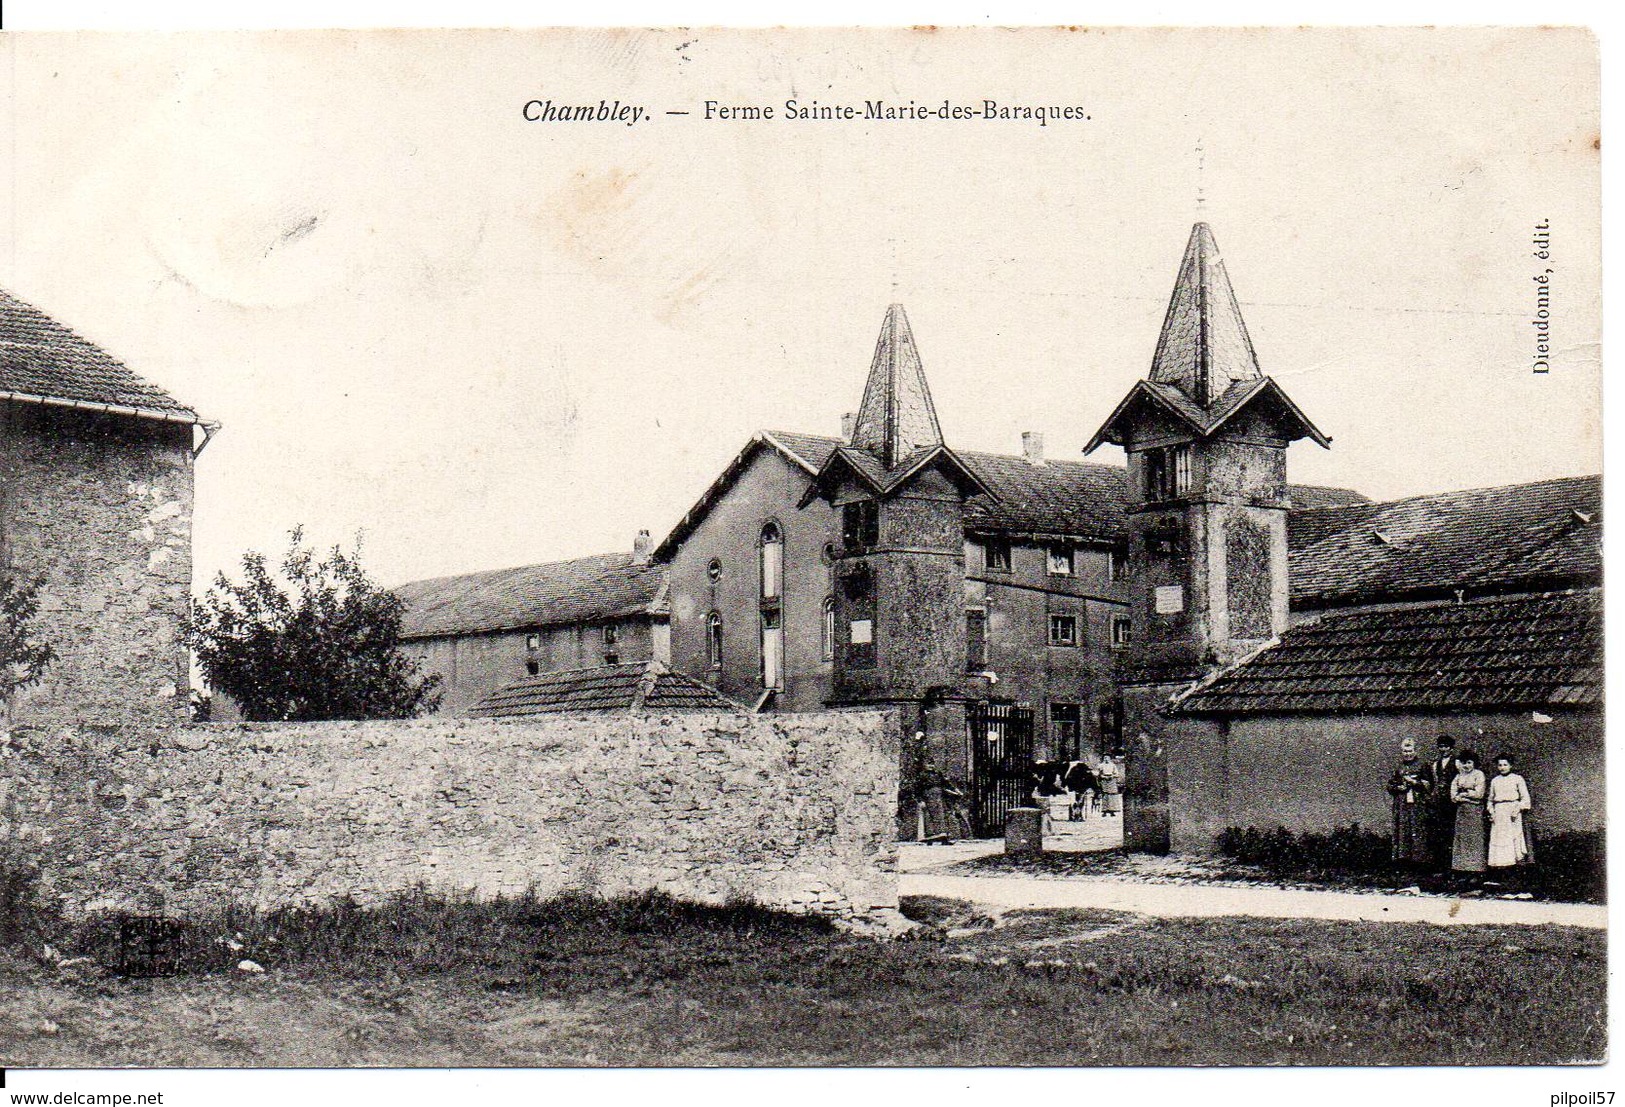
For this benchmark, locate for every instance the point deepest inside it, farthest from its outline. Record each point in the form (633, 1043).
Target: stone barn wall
(101, 508)
(1317, 773)
(794, 811)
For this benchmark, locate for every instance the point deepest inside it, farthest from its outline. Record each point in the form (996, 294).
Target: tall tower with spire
(1206, 435)
(900, 572)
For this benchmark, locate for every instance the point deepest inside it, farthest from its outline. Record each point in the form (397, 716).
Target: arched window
(713, 640)
(829, 629)
(772, 545)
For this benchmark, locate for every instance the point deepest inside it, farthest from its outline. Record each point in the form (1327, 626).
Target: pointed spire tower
(1204, 347)
(900, 495)
(1206, 436)
(897, 418)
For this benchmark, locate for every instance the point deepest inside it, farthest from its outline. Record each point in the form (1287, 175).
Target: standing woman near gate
(1111, 784)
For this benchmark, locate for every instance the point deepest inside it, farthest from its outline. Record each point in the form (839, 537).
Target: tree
(23, 659)
(321, 642)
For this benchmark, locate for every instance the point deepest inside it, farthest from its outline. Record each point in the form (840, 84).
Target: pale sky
(486, 342)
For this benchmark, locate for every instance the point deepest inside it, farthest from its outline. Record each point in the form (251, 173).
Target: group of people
(1087, 787)
(1450, 815)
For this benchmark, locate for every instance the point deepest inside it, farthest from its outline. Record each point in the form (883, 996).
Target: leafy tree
(321, 642)
(23, 659)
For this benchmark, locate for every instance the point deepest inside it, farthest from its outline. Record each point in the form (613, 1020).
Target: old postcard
(913, 547)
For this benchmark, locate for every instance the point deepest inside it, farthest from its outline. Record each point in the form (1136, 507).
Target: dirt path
(1206, 900)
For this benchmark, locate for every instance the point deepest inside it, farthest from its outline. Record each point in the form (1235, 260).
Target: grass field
(647, 981)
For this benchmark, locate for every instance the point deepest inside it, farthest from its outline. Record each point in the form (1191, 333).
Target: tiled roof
(587, 589)
(42, 359)
(1524, 536)
(603, 690)
(1077, 498)
(1504, 653)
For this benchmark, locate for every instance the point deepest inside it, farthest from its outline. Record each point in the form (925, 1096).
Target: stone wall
(101, 508)
(794, 811)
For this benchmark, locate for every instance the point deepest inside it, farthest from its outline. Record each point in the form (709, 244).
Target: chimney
(849, 424)
(642, 545)
(1032, 447)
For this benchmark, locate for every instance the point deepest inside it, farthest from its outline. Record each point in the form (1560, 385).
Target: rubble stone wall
(792, 811)
(100, 510)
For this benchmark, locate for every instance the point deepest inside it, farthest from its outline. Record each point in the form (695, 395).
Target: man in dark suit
(1442, 814)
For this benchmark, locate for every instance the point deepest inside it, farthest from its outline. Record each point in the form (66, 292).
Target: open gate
(1000, 736)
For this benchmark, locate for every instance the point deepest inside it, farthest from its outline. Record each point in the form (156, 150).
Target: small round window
(829, 553)
(714, 570)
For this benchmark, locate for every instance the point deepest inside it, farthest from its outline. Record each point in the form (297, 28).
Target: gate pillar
(1145, 771)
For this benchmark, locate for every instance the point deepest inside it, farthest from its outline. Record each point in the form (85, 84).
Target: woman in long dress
(1468, 788)
(1409, 787)
(1509, 829)
(1111, 785)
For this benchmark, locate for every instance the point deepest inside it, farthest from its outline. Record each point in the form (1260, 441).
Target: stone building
(1317, 636)
(985, 597)
(1256, 647)
(483, 631)
(96, 502)
(1474, 614)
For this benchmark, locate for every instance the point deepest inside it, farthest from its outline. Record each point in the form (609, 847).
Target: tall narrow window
(772, 650)
(1182, 469)
(828, 642)
(1122, 631)
(975, 640)
(772, 561)
(713, 640)
(996, 555)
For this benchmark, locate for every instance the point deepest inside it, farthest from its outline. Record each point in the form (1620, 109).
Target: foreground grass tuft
(648, 980)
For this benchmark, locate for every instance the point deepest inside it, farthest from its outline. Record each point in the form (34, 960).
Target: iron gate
(1001, 762)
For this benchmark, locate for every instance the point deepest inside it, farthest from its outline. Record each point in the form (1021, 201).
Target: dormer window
(860, 524)
(1167, 472)
(996, 555)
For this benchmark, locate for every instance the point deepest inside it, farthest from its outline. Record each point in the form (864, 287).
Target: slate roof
(1523, 537)
(1204, 347)
(587, 589)
(897, 417)
(40, 359)
(1081, 499)
(1502, 653)
(607, 689)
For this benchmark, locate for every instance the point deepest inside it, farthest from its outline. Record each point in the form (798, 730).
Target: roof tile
(587, 589)
(40, 357)
(1490, 654)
